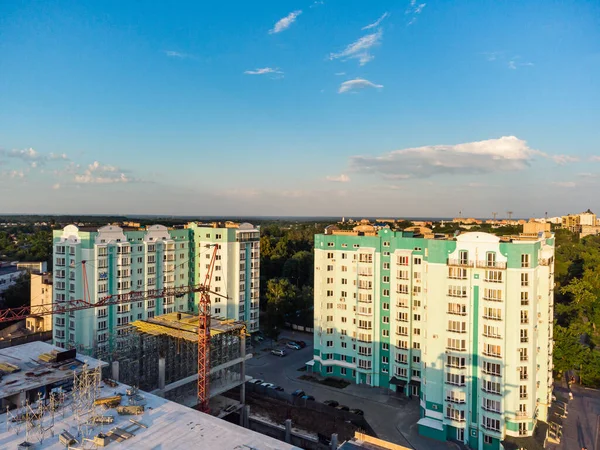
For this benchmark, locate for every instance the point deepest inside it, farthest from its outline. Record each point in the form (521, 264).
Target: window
(329, 369)
(491, 259)
(455, 396)
(329, 306)
(403, 317)
(343, 371)
(457, 273)
(492, 331)
(416, 345)
(492, 350)
(385, 333)
(494, 295)
(524, 298)
(455, 379)
(417, 331)
(417, 317)
(402, 289)
(524, 317)
(416, 373)
(525, 261)
(463, 257)
(523, 429)
(401, 358)
(457, 291)
(458, 362)
(523, 372)
(329, 268)
(344, 345)
(416, 359)
(417, 261)
(491, 368)
(523, 354)
(457, 308)
(492, 313)
(385, 306)
(330, 254)
(384, 360)
(456, 326)
(329, 331)
(386, 319)
(386, 266)
(402, 331)
(524, 279)
(402, 260)
(329, 344)
(385, 346)
(493, 276)
(386, 293)
(402, 274)
(491, 405)
(487, 439)
(491, 387)
(456, 344)
(401, 372)
(455, 414)
(386, 279)
(523, 392)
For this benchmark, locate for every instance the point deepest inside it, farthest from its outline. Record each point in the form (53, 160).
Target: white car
(269, 385)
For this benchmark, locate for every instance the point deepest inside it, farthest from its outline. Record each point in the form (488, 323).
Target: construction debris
(108, 402)
(130, 410)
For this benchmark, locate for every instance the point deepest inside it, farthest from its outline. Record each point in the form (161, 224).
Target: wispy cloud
(563, 159)
(413, 10)
(264, 71)
(339, 74)
(376, 23)
(56, 186)
(501, 57)
(357, 83)
(595, 158)
(505, 154)
(33, 157)
(317, 3)
(13, 174)
(492, 56)
(284, 24)
(338, 179)
(178, 55)
(360, 49)
(97, 173)
(564, 184)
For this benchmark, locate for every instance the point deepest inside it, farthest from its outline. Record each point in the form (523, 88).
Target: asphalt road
(581, 428)
(393, 419)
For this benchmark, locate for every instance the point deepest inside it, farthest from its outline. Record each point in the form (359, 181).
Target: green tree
(19, 294)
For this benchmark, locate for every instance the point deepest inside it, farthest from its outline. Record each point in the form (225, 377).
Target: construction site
(56, 399)
(160, 355)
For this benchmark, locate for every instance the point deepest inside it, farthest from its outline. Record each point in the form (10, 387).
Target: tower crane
(20, 313)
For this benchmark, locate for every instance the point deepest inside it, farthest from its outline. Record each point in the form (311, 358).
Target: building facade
(41, 294)
(463, 323)
(93, 263)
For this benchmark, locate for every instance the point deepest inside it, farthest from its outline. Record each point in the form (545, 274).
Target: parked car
(293, 345)
(358, 412)
(308, 397)
(342, 408)
(279, 388)
(278, 352)
(256, 381)
(302, 344)
(269, 385)
(298, 393)
(331, 403)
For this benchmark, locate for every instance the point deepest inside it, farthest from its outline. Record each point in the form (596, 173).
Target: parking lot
(392, 418)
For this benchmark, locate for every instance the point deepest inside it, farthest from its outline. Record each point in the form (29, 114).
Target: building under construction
(160, 355)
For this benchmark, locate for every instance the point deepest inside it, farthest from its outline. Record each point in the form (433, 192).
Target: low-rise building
(9, 275)
(41, 295)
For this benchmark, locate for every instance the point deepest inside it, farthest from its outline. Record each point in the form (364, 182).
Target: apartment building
(40, 294)
(237, 269)
(93, 263)
(462, 323)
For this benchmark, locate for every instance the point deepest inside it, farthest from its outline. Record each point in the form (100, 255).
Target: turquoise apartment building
(462, 323)
(91, 263)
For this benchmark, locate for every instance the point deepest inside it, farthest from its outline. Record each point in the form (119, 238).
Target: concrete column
(243, 369)
(288, 431)
(161, 373)
(247, 416)
(115, 370)
(334, 441)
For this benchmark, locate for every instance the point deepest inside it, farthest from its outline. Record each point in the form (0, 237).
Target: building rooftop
(162, 424)
(185, 325)
(28, 366)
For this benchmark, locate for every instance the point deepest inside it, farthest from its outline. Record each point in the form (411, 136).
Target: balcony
(492, 355)
(492, 318)
(455, 419)
(491, 265)
(456, 313)
(522, 414)
(491, 410)
(449, 330)
(456, 366)
(456, 349)
(494, 374)
(401, 333)
(400, 361)
(457, 294)
(492, 299)
(459, 263)
(491, 392)
(545, 261)
(456, 401)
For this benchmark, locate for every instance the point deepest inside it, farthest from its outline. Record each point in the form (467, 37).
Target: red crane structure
(20, 313)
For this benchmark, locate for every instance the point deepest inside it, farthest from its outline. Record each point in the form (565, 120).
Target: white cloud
(97, 173)
(32, 157)
(360, 49)
(564, 184)
(263, 71)
(338, 179)
(512, 65)
(339, 74)
(56, 186)
(507, 153)
(317, 3)
(284, 24)
(376, 23)
(413, 10)
(595, 158)
(179, 55)
(357, 83)
(563, 159)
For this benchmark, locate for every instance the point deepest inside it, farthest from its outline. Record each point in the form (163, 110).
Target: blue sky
(391, 108)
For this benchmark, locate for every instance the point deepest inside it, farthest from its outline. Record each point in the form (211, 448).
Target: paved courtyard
(392, 418)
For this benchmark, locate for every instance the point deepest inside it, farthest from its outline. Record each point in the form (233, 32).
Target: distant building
(41, 294)
(33, 267)
(8, 276)
(464, 323)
